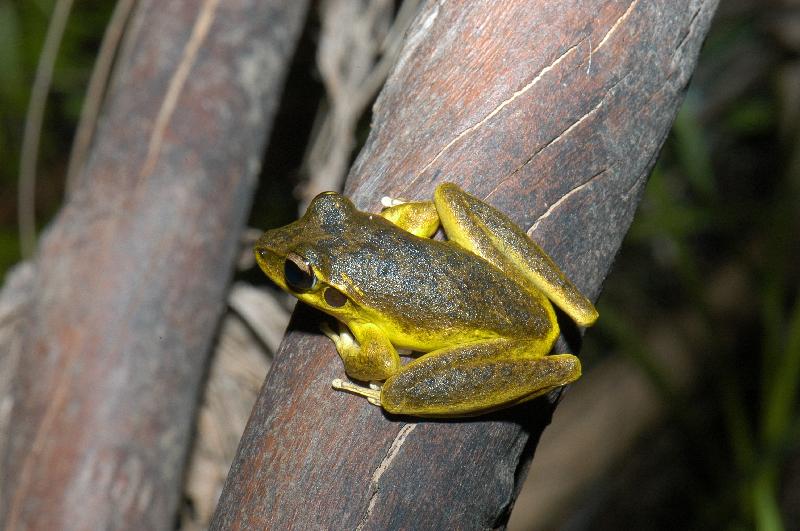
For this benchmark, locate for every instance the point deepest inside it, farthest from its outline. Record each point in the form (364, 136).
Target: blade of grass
(95, 92)
(33, 126)
(692, 151)
(781, 392)
(767, 513)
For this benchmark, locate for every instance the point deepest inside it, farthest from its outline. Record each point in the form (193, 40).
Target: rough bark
(552, 111)
(131, 276)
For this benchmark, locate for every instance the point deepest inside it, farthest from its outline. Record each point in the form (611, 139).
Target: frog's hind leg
(490, 234)
(476, 378)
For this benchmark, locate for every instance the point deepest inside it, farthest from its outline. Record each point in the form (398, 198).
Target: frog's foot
(371, 393)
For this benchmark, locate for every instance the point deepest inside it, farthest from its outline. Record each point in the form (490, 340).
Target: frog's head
(297, 257)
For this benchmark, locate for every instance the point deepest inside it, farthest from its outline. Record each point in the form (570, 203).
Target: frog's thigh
(419, 217)
(489, 233)
(476, 378)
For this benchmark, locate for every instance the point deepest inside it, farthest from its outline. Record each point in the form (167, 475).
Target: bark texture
(131, 276)
(555, 113)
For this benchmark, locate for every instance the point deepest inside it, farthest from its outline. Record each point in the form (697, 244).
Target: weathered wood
(132, 274)
(555, 112)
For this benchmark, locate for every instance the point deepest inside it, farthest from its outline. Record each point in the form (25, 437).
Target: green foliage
(23, 24)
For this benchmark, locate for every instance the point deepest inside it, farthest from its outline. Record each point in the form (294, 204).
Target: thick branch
(132, 274)
(555, 112)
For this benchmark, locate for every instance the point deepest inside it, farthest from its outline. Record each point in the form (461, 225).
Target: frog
(477, 308)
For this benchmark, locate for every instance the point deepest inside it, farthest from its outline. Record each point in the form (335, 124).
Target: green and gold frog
(477, 306)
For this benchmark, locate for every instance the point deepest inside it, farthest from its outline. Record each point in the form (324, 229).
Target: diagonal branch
(312, 458)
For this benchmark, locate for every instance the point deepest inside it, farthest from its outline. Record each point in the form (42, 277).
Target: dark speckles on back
(429, 284)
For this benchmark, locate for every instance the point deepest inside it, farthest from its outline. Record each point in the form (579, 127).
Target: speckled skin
(485, 324)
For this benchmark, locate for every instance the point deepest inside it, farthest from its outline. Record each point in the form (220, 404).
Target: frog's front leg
(474, 379)
(366, 352)
(417, 217)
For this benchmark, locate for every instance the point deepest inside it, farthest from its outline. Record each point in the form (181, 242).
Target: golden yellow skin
(478, 305)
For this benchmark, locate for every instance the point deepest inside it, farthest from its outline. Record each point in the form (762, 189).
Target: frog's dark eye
(298, 273)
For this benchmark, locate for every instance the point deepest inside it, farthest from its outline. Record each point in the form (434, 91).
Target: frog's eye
(298, 273)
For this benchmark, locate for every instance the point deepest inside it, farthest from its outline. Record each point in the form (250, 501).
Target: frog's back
(418, 287)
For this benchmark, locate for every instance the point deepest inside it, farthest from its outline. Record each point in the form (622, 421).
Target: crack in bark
(394, 449)
(561, 135)
(689, 28)
(176, 83)
(494, 112)
(522, 91)
(566, 196)
(616, 24)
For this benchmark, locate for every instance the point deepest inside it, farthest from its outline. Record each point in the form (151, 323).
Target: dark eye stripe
(298, 273)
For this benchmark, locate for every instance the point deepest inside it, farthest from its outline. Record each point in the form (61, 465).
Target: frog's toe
(343, 339)
(388, 202)
(373, 396)
(375, 386)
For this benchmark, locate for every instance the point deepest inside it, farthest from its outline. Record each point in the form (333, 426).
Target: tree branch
(555, 113)
(131, 276)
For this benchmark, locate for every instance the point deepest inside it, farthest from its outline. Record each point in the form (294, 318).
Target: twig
(96, 90)
(33, 126)
(358, 47)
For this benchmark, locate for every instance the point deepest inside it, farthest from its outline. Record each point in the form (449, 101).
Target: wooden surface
(554, 112)
(131, 276)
